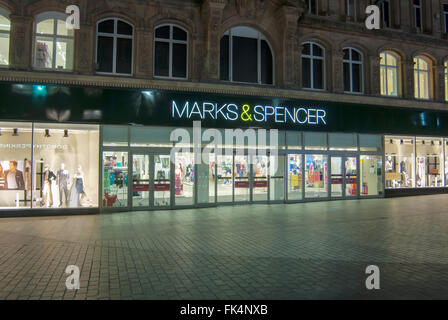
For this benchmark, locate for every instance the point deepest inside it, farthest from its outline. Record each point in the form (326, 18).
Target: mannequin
(63, 179)
(77, 189)
(47, 178)
(389, 166)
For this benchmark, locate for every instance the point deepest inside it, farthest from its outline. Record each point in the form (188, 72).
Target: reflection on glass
(184, 178)
(225, 182)
(242, 184)
(260, 184)
(371, 175)
(316, 176)
(400, 162)
(162, 182)
(115, 179)
(351, 177)
(140, 180)
(295, 177)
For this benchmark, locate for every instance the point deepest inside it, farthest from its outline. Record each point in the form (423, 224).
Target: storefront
(87, 149)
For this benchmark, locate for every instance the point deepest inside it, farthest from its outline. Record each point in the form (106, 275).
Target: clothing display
(47, 193)
(63, 177)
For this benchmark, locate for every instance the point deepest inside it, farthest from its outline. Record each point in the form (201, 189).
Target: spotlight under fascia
(15, 132)
(47, 133)
(65, 133)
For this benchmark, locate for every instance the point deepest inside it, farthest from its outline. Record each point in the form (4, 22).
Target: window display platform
(409, 192)
(37, 212)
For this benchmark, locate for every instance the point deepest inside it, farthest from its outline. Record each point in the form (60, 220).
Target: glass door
(351, 177)
(316, 176)
(295, 177)
(225, 178)
(140, 180)
(241, 182)
(115, 179)
(184, 179)
(277, 178)
(337, 179)
(260, 181)
(162, 180)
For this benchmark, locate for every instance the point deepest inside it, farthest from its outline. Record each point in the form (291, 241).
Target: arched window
(54, 43)
(246, 56)
(115, 42)
(5, 29)
(389, 74)
(170, 52)
(421, 78)
(353, 71)
(313, 66)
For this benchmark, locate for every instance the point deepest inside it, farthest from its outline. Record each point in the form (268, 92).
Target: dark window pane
(347, 77)
(346, 54)
(179, 34)
(445, 7)
(306, 49)
(124, 28)
(163, 32)
(224, 58)
(318, 74)
(105, 54)
(386, 14)
(356, 56)
(161, 59)
(106, 26)
(179, 60)
(357, 78)
(245, 60)
(306, 73)
(418, 22)
(266, 64)
(317, 51)
(124, 56)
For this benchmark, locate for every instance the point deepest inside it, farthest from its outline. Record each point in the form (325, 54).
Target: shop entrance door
(344, 177)
(161, 186)
(141, 181)
(260, 174)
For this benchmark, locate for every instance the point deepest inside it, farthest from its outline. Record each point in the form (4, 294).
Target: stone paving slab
(302, 251)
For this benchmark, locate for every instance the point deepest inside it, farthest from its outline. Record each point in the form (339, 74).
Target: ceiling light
(15, 132)
(65, 133)
(47, 133)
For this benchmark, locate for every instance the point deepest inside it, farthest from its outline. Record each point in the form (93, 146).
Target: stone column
(439, 78)
(212, 16)
(375, 73)
(21, 46)
(143, 53)
(337, 81)
(288, 17)
(408, 78)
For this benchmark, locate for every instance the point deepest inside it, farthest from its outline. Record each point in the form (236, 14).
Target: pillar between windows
(408, 83)
(85, 49)
(337, 80)
(439, 78)
(21, 35)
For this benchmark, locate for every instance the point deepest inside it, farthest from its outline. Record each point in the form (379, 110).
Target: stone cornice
(69, 79)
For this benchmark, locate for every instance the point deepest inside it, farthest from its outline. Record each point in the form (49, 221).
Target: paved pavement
(304, 251)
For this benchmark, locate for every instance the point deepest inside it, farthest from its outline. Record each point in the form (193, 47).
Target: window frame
(312, 58)
(115, 36)
(387, 67)
(418, 7)
(350, 61)
(350, 9)
(259, 64)
(310, 7)
(445, 15)
(419, 72)
(170, 42)
(445, 65)
(386, 22)
(6, 14)
(55, 16)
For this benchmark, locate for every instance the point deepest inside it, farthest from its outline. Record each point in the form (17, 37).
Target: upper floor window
(313, 7)
(350, 9)
(170, 52)
(389, 74)
(115, 42)
(353, 71)
(421, 78)
(246, 56)
(417, 8)
(5, 29)
(313, 66)
(445, 64)
(54, 43)
(445, 16)
(385, 12)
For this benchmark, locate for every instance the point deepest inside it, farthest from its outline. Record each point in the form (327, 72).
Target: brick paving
(303, 251)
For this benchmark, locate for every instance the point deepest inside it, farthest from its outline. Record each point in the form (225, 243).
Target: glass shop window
(66, 161)
(368, 142)
(115, 136)
(371, 175)
(294, 140)
(151, 136)
(400, 162)
(429, 162)
(343, 142)
(5, 30)
(315, 141)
